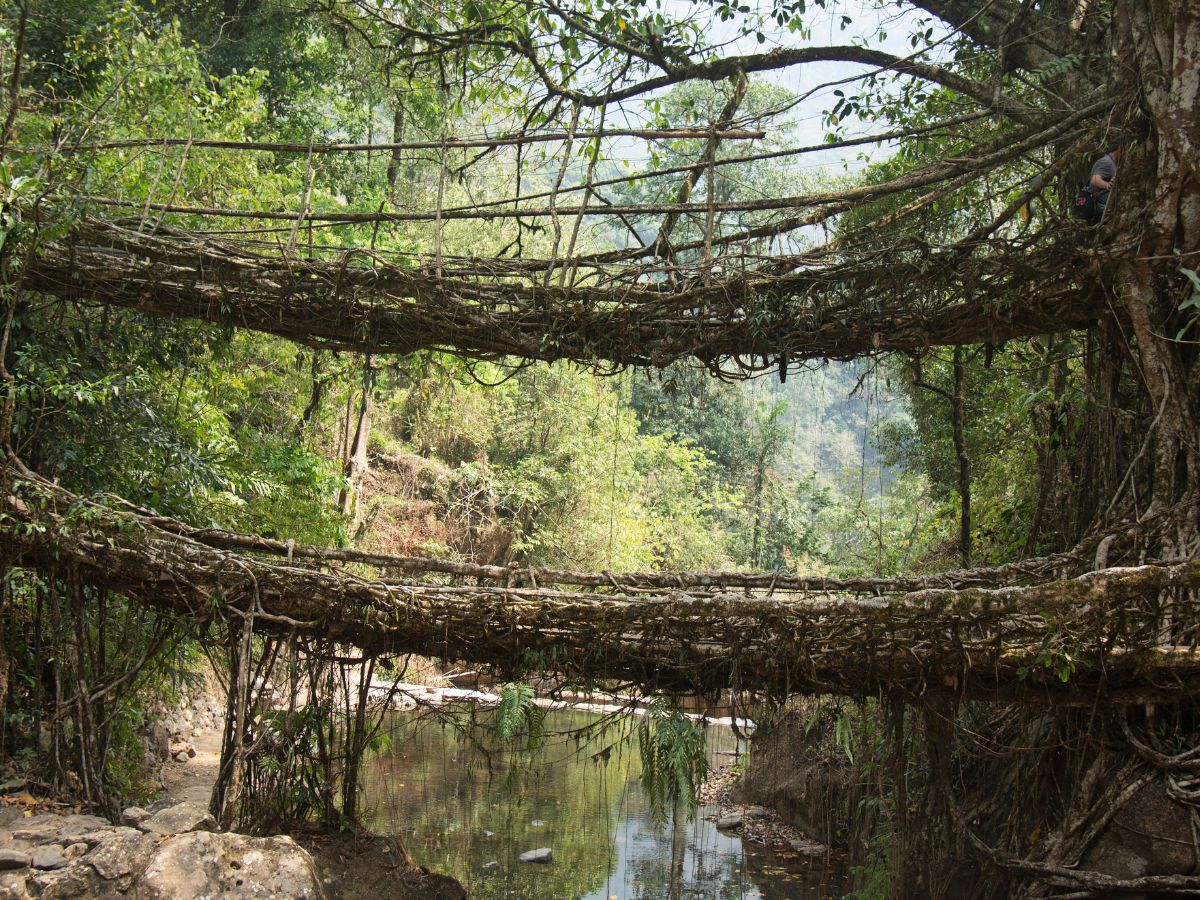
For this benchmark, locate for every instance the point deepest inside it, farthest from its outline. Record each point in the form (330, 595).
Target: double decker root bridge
(760, 296)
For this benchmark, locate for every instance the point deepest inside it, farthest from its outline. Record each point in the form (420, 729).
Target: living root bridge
(483, 309)
(1125, 634)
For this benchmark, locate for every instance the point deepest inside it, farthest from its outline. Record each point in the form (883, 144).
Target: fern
(519, 713)
(673, 759)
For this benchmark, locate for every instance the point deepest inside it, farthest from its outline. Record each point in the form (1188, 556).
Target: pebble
(540, 855)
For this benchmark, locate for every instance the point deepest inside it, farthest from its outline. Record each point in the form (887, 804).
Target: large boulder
(204, 864)
(1151, 835)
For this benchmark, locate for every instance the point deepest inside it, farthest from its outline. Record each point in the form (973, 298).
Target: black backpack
(1085, 206)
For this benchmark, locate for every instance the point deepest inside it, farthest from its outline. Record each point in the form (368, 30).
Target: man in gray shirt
(1104, 173)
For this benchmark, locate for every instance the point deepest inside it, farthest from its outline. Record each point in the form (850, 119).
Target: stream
(463, 803)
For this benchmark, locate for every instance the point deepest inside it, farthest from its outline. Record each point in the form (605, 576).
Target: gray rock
(1147, 837)
(122, 856)
(203, 864)
(540, 855)
(730, 822)
(490, 867)
(99, 836)
(537, 823)
(72, 826)
(808, 848)
(135, 816)
(13, 859)
(182, 756)
(48, 857)
(488, 834)
(756, 812)
(58, 884)
(38, 834)
(180, 819)
(13, 785)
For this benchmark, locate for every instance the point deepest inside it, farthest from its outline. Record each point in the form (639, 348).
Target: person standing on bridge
(1104, 175)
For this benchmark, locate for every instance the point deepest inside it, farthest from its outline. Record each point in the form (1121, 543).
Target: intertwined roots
(1014, 632)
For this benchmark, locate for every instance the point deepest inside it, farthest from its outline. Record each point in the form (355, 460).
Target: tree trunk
(397, 158)
(355, 464)
(1158, 199)
(958, 417)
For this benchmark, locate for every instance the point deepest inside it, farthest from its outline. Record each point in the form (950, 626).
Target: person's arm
(1103, 177)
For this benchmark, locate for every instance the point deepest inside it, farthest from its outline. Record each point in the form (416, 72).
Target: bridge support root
(971, 800)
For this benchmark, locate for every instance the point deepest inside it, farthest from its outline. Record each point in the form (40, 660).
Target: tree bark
(1157, 198)
(958, 420)
(355, 460)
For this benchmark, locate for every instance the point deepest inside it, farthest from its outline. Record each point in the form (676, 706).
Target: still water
(463, 803)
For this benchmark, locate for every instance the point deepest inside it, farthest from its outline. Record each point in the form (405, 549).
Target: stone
(92, 838)
(13, 785)
(756, 812)
(14, 859)
(540, 855)
(76, 850)
(490, 867)
(48, 857)
(124, 855)
(1151, 835)
(135, 816)
(59, 884)
(182, 756)
(12, 886)
(203, 864)
(179, 819)
(537, 823)
(808, 848)
(39, 834)
(730, 822)
(72, 826)
(488, 834)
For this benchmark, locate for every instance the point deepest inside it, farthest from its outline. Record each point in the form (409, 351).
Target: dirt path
(193, 781)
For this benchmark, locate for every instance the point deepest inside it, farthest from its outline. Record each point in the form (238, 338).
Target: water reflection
(464, 804)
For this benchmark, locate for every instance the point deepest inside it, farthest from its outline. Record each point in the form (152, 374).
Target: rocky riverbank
(172, 851)
(171, 848)
(753, 823)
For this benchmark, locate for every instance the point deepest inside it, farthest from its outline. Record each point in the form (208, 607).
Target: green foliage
(674, 764)
(518, 713)
(558, 455)
(1190, 303)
